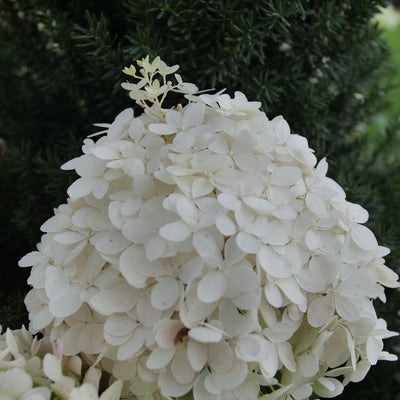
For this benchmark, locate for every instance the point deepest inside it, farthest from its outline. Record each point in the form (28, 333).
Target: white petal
(248, 348)
(320, 311)
(165, 293)
(229, 201)
(128, 350)
(212, 286)
(105, 152)
(119, 298)
(327, 387)
(197, 354)
(205, 335)
(159, 358)
(201, 187)
(285, 352)
(247, 243)
(225, 225)
(308, 364)
(175, 231)
(206, 245)
(285, 176)
(181, 368)
(346, 308)
(65, 302)
(30, 259)
(69, 237)
(100, 188)
(272, 263)
(363, 237)
(220, 356)
(170, 387)
(261, 206)
(81, 187)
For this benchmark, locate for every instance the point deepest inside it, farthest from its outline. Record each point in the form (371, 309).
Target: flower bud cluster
(203, 252)
(32, 369)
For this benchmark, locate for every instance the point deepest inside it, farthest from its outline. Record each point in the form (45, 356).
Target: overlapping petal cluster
(203, 252)
(32, 369)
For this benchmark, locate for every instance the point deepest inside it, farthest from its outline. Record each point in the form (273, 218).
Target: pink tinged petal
(30, 259)
(130, 348)
(181, 368)
(225, 225)
(248, 348)
(308, 365)
(119, 298)
(69, 237)
(220, 356)
(165, 294)
(207, 248)
(197, 354)
(212, 287)
(247, 243)
(170, 387)
(285, 353)
(91, 339)
(346, 308)
(327, 387)
(285, 176)
(363, 237)
(204, 334)
(175, 231)
(166, 332)
(65, 302)
(273, 295)
(320, 311)
(106, 152)
(274, 264)
(160, 358)
(100, 188)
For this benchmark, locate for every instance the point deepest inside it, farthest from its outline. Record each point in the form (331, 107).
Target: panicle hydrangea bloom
(32, 369)
(204, 253)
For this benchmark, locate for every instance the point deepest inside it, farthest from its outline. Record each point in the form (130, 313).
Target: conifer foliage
(317, 63)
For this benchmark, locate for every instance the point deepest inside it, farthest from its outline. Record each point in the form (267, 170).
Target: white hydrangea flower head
(204, 254)
(32, 369)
